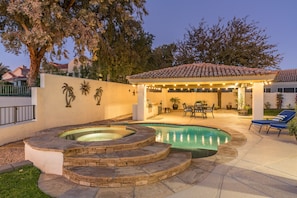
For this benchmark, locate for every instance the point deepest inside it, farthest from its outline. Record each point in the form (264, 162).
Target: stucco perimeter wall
(116, 101)
(289, 100)
(51, 111)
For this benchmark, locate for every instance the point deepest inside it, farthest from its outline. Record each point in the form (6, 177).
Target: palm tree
(98, 95)
(3, 69)
(69, 95)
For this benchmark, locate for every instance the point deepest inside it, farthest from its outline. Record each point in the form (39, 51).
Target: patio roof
(202, 74)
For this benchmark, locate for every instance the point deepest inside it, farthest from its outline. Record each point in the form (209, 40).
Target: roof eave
(228, 79)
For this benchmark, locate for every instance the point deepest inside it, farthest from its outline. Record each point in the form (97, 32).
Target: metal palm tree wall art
(69, 94)
(98, 95)
(85, 88)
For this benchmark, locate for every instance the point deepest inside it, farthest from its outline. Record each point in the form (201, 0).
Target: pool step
(148, 173)
(150, 153)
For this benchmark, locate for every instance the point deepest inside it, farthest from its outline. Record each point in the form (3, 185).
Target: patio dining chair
(283, 117)
(210, 110)
(187, 109)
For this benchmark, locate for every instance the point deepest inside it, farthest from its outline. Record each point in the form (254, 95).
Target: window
(280, 90)
(289, 90)
(267, 90)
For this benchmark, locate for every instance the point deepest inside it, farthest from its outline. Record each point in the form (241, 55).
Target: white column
(141, 104)
(258, 100)
(164, 98)
(241, 98)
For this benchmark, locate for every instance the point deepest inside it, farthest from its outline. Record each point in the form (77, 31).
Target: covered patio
(201, 76)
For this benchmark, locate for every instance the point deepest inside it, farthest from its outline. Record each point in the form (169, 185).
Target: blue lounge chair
(283, 117)
(278, 126)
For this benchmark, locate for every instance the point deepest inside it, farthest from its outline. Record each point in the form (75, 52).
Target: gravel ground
(12, 152)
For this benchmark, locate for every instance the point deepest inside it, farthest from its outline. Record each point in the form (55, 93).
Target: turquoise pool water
(189, 137)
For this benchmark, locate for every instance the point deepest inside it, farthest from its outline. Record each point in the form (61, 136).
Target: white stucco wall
(14, 101)
(49, 162)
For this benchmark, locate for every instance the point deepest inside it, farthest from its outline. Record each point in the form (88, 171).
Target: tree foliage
(162, 56)
(39, 27)
(126, 53)
(236, 43)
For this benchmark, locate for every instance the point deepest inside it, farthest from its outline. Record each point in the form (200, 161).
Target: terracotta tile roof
(200, 70)
(289, 75)
(59, 66)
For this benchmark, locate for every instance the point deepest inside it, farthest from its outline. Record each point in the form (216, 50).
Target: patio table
(199, 108)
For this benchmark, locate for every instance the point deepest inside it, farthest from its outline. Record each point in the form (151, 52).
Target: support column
(141, 104)
(219, 99)
(241, 98)
(164, 98)
(258, 100)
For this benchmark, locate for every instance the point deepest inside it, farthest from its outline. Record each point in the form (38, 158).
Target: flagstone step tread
(147, 154)
(175, 163)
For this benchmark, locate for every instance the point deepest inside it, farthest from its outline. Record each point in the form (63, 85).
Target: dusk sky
(168, 21)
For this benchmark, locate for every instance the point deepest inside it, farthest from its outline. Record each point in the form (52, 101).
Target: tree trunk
(33, 74)
(35, 60)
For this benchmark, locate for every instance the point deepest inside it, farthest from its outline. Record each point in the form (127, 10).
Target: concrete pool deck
(260, 165)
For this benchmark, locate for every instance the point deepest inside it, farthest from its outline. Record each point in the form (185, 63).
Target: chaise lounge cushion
(278, 126)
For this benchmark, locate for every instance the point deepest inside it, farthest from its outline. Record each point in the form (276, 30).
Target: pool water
(101, 133)
(193, 138)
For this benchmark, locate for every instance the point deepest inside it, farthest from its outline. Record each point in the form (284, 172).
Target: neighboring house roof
(8, 75)
(289, 75)
(60, 66)
(19, 73)
(203, 72)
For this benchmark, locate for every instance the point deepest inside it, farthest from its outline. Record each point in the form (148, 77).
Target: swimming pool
(188, 137)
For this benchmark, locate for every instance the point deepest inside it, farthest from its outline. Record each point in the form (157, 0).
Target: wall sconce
(100, 77)
(133, 92)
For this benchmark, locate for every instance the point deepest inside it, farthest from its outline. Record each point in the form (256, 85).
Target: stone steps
(134, 160)
(115, 176)
(138, 140)
(147, 154)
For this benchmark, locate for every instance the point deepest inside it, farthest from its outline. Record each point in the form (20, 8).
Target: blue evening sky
(168, 21)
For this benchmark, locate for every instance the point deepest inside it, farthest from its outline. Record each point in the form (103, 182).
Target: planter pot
(175, 106)
(243, 112)
(228, 106)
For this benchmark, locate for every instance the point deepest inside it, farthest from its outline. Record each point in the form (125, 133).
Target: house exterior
(285, 82)
(17, 77)
(75, 64)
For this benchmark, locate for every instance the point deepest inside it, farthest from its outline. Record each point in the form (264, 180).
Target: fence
(10, 90)
(15, 114)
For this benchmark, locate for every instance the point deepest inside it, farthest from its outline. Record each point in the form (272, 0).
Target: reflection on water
(189, 137)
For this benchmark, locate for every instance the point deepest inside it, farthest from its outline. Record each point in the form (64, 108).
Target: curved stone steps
(129, 175)
(143, 137)
(147, 154)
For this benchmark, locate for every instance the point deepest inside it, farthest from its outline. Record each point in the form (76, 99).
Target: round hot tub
(102, 133)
